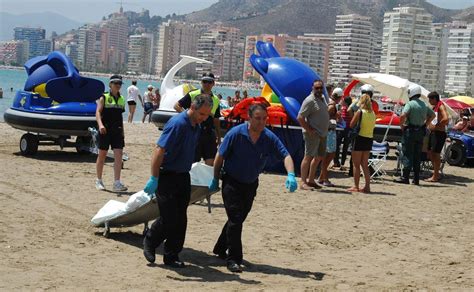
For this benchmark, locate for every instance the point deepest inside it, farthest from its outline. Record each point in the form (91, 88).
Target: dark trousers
(238, 198)
(173, 193)
(343, 138)
(412, 144)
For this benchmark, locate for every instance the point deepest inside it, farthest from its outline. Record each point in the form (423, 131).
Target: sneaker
(99, 185)
(119, 187)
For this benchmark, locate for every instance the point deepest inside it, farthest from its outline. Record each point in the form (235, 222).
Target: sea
(12, 80)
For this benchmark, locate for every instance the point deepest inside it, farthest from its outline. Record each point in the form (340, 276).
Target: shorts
(131, 102)
(362, 144)
(148, 107)
(314, 145)
(113, 139)
(206, 147)
(331, 142)
(436, 141)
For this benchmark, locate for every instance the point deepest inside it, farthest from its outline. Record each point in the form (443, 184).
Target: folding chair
(378, 157)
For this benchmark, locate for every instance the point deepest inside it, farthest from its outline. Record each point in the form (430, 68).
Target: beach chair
(378, 157)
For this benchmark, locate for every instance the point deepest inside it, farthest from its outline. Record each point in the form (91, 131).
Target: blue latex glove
(214, 185)
(290, 183)
(151, 186)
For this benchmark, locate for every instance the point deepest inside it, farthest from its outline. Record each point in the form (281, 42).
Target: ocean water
(15, 79)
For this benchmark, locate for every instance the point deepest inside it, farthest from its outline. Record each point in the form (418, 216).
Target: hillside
(48, 20)
(301, 16)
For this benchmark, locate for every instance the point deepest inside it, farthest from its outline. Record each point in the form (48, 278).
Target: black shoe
(175, 264)
(234, 267)
(402, 180)
(415, 182)
(148, 252)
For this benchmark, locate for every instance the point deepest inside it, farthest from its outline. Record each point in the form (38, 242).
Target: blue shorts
(331, 142)
(148, 107)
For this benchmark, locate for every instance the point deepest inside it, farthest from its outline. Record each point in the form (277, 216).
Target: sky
(93, 10)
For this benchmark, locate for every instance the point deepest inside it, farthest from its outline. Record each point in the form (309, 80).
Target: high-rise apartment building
(38, 45)
(311, 50)
(223, 46)
(278, 41)
(411, 47)
(352, 48)
(460, 59)
(175, 39)
(114, 41)
(140, 53)
(86, 59)
(14, 52)
(441, 31)
(71, 50)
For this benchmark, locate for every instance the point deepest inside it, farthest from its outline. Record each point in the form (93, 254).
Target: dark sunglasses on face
(207, 82)
(318, 88)
(117, 83)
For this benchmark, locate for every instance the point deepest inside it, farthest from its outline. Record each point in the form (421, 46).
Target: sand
(400, 237)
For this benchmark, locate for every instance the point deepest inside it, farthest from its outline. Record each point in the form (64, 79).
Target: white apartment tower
(352, 49)
(224, 47)
(460, 59)
(86, 48)
(410, 47)
(140, 53)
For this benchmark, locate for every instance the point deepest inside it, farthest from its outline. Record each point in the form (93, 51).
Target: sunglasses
(207, 82)
(318, 88)
(117, 83)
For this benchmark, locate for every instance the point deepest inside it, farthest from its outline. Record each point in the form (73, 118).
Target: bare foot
(365, 190)
(353, 189)
(432, 179)
(306, 187)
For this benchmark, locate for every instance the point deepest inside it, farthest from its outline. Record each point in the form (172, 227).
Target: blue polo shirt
(179, 139)
(243, 160)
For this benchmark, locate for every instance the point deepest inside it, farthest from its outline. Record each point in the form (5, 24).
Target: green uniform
(412, 140)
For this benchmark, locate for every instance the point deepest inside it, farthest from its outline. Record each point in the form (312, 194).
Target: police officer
(416, 116)
(109, 111)
(208, 142)
(170, 181)
(244, 153)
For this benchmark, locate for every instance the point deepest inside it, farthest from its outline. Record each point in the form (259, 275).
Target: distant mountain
(48, 20)
(303, 16)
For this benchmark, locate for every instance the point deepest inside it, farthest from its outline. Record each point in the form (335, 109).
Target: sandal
(431, 180)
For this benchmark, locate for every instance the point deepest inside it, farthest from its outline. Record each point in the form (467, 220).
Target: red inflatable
(241, 109)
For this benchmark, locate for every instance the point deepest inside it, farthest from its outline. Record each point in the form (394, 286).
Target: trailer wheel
(29, 144)
(82, 142)
(456, 154)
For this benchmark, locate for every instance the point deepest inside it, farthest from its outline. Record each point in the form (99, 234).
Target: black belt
(170, 172)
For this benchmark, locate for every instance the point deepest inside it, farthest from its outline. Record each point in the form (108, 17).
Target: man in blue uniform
(210, 135)
(244, 153)
(170, 180)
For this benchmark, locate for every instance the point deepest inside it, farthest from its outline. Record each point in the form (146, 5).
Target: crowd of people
(330, 125)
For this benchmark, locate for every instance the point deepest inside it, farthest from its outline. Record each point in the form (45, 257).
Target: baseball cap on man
(208, 77)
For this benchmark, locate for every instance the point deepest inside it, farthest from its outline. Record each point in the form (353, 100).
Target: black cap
(208, 77)
(115, 78)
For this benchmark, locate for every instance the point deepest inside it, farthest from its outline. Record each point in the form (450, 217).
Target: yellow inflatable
(270, 96)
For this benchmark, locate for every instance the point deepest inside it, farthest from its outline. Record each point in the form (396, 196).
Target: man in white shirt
(133, 95)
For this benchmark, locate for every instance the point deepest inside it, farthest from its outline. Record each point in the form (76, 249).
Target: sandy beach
(401, 237)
